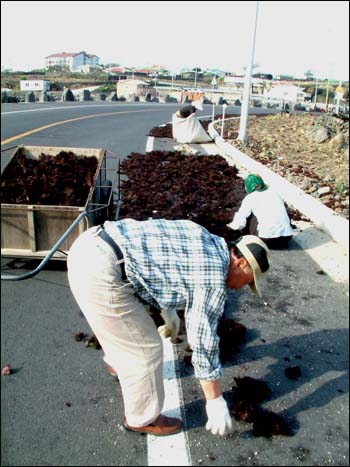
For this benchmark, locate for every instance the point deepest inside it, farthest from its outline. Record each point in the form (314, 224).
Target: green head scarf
(254, 183)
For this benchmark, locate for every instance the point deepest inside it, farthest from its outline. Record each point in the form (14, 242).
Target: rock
(30, 97)
(67, 95)
(4, 97)
(321, 135)
(85, 95)
(346, 212)
(306, 183)
(337, 142)
(112, 96)
(324, 190)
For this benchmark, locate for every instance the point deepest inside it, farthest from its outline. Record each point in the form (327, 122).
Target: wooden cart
(31, 231)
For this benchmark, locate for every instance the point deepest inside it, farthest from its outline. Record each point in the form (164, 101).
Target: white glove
(171, 326)
(219, 418)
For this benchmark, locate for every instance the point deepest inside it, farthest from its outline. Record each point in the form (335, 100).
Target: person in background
(118, 267)
(186, 126)
(263, 213)
(188, 110)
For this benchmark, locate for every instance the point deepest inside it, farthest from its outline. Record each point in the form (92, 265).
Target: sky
(291, 37)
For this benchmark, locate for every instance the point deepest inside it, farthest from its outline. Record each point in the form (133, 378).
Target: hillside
(312, 152)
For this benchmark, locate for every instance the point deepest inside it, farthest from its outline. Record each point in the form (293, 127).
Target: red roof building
(71, 60)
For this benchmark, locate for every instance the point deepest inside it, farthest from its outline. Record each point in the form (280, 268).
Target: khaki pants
(121, 323)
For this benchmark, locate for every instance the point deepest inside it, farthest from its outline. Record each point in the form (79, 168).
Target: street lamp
(246, 92)
(213, 84)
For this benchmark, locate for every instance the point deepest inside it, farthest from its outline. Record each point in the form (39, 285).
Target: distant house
(234, 80)
(288, 93)
(34, 85)
(214, 72)
(115, 69)
(71, 61)
(134, 87)
(87, 68)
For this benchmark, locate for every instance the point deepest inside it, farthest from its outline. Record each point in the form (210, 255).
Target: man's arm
(241, 216)
(211, 389)
(202, 318)
(219, 418)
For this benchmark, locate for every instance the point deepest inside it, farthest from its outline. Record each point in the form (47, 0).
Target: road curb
(322, 216)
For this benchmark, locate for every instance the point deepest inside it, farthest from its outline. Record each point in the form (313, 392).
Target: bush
(105, 88)
(56, 86)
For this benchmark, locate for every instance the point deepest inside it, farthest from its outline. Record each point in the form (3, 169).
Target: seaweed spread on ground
(171, 185)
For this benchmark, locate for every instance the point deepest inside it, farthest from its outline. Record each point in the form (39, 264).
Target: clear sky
(291, 37)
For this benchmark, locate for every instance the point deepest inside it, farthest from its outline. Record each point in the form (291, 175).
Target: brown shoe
(162, 426)
(111, 371)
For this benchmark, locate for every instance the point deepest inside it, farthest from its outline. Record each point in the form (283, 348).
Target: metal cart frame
(103, 203)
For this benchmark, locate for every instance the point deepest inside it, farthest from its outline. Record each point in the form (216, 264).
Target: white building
(134, 87)
(71, 61)
(287, 93)
(34, 85)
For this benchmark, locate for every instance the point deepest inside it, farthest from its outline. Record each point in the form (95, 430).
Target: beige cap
(257, 254)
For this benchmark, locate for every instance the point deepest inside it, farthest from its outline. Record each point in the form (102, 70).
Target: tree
(309, 76)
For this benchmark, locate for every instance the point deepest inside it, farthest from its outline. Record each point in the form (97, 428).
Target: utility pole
(246, 92)
(315, 100)
(327, 92)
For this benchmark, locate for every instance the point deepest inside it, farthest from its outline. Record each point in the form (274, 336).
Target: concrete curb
(322, 216)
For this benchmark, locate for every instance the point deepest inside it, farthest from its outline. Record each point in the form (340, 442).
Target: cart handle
(28, 275)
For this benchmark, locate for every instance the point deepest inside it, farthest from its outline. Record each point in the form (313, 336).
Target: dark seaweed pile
(248, 394)
(171, 185)
(63, 180)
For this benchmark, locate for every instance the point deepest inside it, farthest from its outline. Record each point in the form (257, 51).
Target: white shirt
(268, 207)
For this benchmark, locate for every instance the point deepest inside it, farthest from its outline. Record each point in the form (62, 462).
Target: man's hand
(171, 326)
(219, 418)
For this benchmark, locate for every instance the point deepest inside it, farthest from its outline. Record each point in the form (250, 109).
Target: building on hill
(71, 61)
(134, 87)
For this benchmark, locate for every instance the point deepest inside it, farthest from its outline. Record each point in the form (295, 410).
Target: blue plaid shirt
(179, 265)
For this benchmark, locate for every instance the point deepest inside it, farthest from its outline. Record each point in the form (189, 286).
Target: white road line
(53, 108)
(73, 107)
(169, 450)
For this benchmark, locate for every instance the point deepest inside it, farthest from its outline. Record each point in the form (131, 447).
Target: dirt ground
(310, 151)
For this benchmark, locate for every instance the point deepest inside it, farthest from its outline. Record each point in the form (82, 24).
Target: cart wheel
(103, 194)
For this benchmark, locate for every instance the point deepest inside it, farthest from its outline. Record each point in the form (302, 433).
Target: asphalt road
(60, 407)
